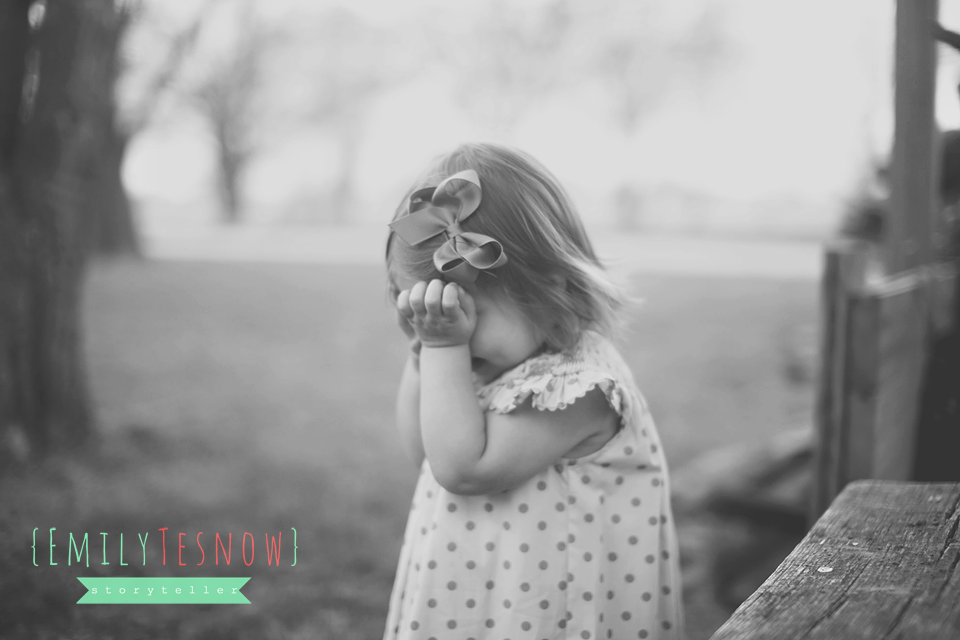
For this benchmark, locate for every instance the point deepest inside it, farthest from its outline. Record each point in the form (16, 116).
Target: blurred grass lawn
(241, 397)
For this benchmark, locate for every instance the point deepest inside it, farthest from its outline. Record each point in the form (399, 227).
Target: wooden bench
(882, 562)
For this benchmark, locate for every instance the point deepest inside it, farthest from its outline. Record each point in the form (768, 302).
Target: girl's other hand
(441, 314)
(412, 336)
(415, 345)
(405, 325)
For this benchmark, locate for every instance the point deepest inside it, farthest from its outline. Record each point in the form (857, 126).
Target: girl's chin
(486, 371)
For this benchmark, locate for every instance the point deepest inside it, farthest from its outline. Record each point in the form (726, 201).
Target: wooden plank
(938, 435)
(844, 273)
(943, 298)
(904, 312)
(915, 162)
(828, 401)
(863, 388)
(881, 563)
(885, 362)
(875, 342)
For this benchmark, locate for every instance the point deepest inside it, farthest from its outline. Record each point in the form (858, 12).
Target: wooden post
(844, 272)
(904, 299)
(875, 327)
(914, 168)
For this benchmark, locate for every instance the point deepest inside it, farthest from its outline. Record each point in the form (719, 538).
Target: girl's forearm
(408, 410)
(452, 424)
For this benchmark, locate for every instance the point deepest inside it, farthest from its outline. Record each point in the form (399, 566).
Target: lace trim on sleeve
(553, 390)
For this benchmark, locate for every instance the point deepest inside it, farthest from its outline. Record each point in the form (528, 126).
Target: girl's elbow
(464, 483)
(417, 457)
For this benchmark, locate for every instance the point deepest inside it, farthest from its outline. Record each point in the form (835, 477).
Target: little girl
(542, 508)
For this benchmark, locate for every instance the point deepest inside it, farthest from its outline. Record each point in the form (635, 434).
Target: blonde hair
(552, 272)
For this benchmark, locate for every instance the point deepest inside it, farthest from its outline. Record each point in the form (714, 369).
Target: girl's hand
(408, 331)
(405, 326)
(441, 314)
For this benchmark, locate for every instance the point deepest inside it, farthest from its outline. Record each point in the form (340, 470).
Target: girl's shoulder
(554, 380)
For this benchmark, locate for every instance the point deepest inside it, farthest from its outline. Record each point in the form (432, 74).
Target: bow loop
(441, 209)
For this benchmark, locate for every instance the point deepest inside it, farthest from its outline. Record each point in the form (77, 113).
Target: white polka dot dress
(585, 549)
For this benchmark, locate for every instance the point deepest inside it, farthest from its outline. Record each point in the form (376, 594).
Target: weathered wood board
(903, 307)
(844, 274)
(881, 563)
(875, 336)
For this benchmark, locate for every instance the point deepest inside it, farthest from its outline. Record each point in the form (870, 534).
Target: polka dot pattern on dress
(583, 538)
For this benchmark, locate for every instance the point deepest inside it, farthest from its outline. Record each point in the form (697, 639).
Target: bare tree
(54, 59)
(350, 66)
(112, 229)
(227, 96)
(508, 61)
(642, 60)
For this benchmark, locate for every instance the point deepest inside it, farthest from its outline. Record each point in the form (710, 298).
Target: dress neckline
(543, 357)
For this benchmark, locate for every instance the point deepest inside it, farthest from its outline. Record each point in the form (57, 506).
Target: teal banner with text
(118, 590)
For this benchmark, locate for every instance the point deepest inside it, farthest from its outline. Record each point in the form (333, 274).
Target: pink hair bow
(441, 209)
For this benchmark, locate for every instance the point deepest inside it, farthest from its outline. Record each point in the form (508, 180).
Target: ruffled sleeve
(553, 382)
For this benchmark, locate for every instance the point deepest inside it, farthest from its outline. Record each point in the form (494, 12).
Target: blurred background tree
(350, 65)
(507, 60)
(649, 52)
(621, 82)
(230, 94)
(57, 66)
(113, 228)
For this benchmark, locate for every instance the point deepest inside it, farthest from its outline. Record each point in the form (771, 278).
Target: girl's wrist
(447, 356)
(439, 346)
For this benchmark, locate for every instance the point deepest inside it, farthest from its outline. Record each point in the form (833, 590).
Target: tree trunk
(230, 202)
(231, 157)
(349, 147)
(49, 151)
(112, 229)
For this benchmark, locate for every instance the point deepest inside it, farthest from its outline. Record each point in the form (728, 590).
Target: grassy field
(257, 398)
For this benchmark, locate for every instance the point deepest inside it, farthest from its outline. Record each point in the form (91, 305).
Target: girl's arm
(471, 452)
(408, 395)
(408, 410)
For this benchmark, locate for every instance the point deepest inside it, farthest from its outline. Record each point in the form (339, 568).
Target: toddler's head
(552, 274)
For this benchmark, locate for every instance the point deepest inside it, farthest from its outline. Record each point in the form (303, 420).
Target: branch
(947, 37)
(179, 49)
